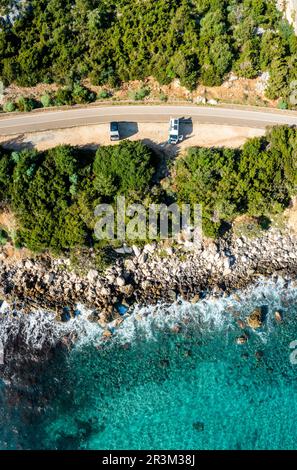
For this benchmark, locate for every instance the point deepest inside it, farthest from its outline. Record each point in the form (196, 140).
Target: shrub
(46, 100)
(123, 169)
(3, 237)
(140, 94)
(26, 105)
(64, 97)
(103, 95)
(9, 107)
(282, 104)
(163, 97)
(82, 94)
(257, 180)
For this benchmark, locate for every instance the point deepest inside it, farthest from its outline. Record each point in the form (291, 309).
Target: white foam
(40, 328)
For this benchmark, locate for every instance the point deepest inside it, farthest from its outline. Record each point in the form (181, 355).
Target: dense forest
(111, 41)
(257, 180)
(54, 193)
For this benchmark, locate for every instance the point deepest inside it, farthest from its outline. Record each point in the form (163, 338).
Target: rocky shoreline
(145, 277)
(148, 276)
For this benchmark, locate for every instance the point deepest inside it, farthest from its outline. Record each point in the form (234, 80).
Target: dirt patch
(13, 92)
(195, 134)
(13, 255)
(8, 221)
(234, 90)
(9, 252)
(291, 216)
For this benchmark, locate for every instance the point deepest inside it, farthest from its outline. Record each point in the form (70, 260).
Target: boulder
(92, 275)
(150, 248)
(241, 324)
(127, 290)
(29, 264)
(195, 299)
(105, 291)
(120, 281)
(278, 317)
(136, 250)
(110, 278)
(241, 340)
(255, 319)
(198, 426)
(107, 334)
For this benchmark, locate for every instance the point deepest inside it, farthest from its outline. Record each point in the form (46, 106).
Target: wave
(40, 329)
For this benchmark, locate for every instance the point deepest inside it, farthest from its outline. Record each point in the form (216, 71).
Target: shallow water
(169, 379)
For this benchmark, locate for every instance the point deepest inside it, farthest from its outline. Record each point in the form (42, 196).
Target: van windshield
(114, 126)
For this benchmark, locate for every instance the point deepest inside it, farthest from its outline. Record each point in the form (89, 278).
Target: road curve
(61, 119)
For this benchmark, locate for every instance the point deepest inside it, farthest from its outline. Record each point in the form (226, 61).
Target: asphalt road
(61, 119)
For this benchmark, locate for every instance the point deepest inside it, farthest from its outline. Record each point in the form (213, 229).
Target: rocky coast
(149, 275)
(156, 274)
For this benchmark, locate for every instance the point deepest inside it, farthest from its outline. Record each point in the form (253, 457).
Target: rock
(255, 319)
(278, 317)
(176, 329)
(227, 272)
(120, 281)
(92, 275)
(136, 250)
(241, 324)
(150, 248)
(200, 100)
(212, 102)
(129, 264)
(241, 340)
(195, 299)
(127, 290)
(125, 250)
(259, 355)
(105, 291)
(29, 264)
(110, 278)
(198, 426)
(145, 285)
(107, 334)
(142, 258)
(172, 295)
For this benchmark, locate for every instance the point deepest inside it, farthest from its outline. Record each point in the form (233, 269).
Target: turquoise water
(169, 379)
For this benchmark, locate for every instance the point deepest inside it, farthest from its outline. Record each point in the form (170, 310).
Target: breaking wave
(166, 376)
(39, 328)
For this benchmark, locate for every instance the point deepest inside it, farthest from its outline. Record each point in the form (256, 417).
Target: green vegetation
(54, 193)
(70, 95)
(9, 107)
(111, 41)
(258, 180)
(103, 95)
(26, 104)
(140, 94)
(3, 237)
(46, 101)
(125, 169)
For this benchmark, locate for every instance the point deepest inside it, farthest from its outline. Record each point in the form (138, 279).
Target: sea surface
(169, 378)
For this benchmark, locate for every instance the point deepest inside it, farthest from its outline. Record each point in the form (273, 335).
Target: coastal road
(35, 121)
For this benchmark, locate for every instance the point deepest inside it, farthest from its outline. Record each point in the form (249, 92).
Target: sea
(168, 377)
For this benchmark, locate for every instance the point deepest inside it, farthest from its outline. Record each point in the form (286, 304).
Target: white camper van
(174, 135)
